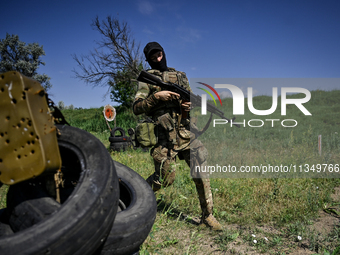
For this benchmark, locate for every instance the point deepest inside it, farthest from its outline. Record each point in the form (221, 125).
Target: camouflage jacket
(165, 113)
(145, 101)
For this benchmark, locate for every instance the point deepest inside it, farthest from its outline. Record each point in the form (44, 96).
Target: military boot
(211, 222)
(155, 184)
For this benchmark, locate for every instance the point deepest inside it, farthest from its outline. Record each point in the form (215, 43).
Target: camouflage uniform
(173, 137)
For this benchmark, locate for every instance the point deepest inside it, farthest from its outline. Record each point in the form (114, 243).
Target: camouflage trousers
(164, 156)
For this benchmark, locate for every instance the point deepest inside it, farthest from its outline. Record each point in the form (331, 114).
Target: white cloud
(188, 34)
(145, 7)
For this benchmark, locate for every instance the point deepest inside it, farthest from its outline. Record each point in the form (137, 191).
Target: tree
(61, 105)
(15, 55)
(116, 62)
(124, 87)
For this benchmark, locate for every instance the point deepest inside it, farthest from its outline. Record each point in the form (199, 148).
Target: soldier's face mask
(155, 56)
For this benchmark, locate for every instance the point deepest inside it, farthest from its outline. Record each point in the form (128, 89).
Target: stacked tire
(119, 142)
(136, 214)
(105, 207)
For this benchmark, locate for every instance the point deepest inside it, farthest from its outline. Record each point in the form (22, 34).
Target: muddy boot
(211, 222)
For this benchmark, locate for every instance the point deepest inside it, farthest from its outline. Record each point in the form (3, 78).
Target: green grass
(92, 120)
(244, 206)
(3, 192)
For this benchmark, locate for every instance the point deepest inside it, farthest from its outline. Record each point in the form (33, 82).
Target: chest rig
(172, 76)
(168, 112)
(172, 107)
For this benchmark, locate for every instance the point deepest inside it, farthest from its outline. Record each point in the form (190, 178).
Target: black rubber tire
(132, 225)
(119, 146)
(5, 228)
(28, 204)
(84, 220)
(119, 143)
(119, 129)
(120, 139)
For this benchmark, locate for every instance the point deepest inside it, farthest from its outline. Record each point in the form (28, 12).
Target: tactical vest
(173, 76)
(166, 113)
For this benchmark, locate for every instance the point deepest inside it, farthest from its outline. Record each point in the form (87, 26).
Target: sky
(205, 39)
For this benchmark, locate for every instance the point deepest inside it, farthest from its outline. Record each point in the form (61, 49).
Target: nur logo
(204, 97)
(239, 98)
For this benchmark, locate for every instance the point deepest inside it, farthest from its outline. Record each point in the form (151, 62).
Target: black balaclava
(150, 49)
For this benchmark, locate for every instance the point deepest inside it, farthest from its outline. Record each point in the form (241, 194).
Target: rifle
(185, 94)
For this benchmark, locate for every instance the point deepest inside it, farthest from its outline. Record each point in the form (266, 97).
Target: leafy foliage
(123, 88)
(61, 105)
(16, 55)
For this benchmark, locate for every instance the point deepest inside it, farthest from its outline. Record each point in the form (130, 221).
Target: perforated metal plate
(28, 142)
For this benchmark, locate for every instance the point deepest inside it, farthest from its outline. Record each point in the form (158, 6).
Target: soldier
(171, 116)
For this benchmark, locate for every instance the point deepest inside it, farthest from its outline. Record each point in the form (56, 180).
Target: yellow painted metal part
(28, 140)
